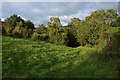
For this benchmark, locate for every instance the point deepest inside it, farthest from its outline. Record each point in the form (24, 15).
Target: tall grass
(24, 58)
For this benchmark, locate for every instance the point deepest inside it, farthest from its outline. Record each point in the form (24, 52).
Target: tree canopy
(87, 32)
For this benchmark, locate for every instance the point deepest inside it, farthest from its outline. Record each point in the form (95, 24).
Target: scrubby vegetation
(38, 59)
(48, 51)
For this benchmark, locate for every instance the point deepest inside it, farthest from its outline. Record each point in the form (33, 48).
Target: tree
(29, 25)
(109, 44)
(75, 22)
(104, 17)
(57, 33)
(77, 32)
(17, 32)
(41, 29)
(15, 26)
(99, 21)
(21, 31)
(118, 21)
(10, 23)
(54, 22)
(73, 25)
(40, 33)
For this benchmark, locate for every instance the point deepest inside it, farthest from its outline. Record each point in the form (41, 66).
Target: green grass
(23, 58)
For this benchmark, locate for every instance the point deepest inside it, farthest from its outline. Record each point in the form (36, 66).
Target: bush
(109, 44)
(42, 37)
(58, 36)
(35, 36)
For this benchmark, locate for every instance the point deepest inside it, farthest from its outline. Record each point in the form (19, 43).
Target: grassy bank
(23, 58)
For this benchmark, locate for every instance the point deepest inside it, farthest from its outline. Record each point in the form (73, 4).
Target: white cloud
(62, 17)
(65, 17)
(2, 19)
(23, 17)
(64, 23)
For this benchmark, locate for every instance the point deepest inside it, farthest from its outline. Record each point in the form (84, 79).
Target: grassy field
(23, 58)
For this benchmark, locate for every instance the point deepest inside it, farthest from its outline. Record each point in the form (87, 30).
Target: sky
(40, 12)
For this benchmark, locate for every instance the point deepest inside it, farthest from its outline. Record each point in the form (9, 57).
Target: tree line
(87, 32)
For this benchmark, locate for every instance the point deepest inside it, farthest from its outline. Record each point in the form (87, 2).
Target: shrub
(35, 36)
(109, 44)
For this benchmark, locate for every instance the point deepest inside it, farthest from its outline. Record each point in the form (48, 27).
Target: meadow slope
(23, 58)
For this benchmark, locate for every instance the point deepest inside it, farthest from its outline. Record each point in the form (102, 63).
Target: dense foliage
(77, 32)
(15, 26)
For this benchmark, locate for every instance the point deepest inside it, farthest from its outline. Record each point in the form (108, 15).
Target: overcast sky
(40, 12)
